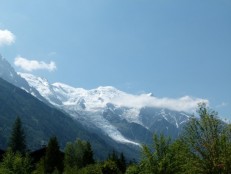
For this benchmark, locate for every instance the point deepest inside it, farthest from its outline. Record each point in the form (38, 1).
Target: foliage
(162, 159)
(133, 169)
(78, 155)
(40, 167)
(119, 160)
(17, 141)
(204, 147)
(209, 143)
(91, 169)
(15, 163)
(110, 166)
(53, 158)
(122, 163)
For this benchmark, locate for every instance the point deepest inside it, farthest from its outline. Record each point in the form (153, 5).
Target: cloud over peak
(6, 37)
(32, 65)
(186, 103)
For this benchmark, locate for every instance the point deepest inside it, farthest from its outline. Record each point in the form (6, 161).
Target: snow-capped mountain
(115, 113)
(110, 117)
(125, 118)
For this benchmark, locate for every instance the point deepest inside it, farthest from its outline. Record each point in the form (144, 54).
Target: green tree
(17, 142)
(110, 167)
(113, 156)
(119, 160)
(15, 163)
(78, 155)
(40, 167)
(91, 169)
(53, 159)
(209, 143)
(161, 159)
(132, 169)
(87, 154)
(122, 163)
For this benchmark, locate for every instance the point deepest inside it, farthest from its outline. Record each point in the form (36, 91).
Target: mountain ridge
(8, 73)
(95, 108)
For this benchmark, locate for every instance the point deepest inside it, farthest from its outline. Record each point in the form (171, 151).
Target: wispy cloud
(186, 103)
(221, 105)
(32, 65)
(6, 37)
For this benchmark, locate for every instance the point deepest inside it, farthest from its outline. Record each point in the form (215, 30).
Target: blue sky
(170, 48)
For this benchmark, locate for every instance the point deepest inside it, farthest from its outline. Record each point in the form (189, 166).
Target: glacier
(88, 106)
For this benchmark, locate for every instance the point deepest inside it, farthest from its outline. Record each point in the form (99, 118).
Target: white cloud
(31, 65)
(186, 103)
(6, 37)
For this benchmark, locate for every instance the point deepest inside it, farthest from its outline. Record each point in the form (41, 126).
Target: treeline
(204, 147)
(77, 157)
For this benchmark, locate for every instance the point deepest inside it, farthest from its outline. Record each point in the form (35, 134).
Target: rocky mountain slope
(108, 109)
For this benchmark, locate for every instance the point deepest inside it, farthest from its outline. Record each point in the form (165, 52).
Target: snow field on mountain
(88, 105)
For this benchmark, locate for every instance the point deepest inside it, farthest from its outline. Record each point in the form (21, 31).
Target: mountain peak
(107, 88)
(7, 71)
(34, 79)
(64, 86)
(106, 91)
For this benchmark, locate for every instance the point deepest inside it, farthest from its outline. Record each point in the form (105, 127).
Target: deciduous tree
(209, 143)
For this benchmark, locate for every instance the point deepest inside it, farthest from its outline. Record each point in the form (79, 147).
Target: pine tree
(53, 158)
(119, 160)
(122, 163)
(17, 142)
(87, 154)
(113, 156)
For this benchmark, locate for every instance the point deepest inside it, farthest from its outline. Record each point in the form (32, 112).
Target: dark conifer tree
(53, 158)
(113, 156)
(119, 160)
(17, 142)
(122, 163)
(88, 155)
